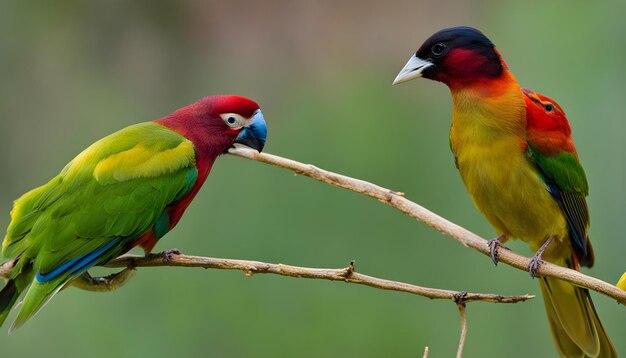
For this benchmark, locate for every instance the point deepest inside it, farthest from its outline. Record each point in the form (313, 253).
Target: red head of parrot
(216, 122)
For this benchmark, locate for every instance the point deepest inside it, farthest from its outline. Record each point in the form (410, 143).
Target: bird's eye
(549, 107)
(438, 49)
(233, 120)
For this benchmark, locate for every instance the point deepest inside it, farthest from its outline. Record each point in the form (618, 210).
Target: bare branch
(456, 232)
(459, 352)
(347, 274)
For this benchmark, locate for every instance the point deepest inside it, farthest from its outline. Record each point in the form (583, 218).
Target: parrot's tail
(8, 297)
(37, 296)
(576, 327)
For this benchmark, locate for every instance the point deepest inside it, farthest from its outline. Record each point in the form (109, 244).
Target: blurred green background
(74, 71)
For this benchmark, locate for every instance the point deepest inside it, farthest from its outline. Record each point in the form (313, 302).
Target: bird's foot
(536, 260)
(533, 266)
(493, 245)
(166, 255)
(103, 284)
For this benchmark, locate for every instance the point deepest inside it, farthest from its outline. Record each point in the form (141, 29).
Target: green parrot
(128, 189)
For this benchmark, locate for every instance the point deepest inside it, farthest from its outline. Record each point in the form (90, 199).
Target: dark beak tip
(252, 142)
(256, 145)
(254, 136)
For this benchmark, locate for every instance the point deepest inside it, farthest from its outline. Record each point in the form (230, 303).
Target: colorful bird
(128, 189)
(516, 156)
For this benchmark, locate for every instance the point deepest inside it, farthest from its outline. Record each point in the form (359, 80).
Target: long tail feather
(37, 296)
(45, 286)
(8, 297)
(576, 327)
(18, 282)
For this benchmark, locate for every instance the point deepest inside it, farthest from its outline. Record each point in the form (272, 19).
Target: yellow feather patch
(487, 138)
(622, 282)
(142, 162)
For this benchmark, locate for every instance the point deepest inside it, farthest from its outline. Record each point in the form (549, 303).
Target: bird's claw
(493, 245)
(533, 266)
(536, 260)
(103, 284)
(166, 255)
(493, 250)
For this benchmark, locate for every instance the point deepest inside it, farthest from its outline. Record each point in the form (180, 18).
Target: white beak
(412, 69)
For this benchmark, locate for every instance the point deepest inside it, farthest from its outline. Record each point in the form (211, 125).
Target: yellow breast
(488, 140)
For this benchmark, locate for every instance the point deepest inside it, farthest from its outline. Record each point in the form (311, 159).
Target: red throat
(467, 68)
(177, 209)
(202, 124)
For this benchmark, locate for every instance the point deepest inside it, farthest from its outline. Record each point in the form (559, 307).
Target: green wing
(567, 182)
(95, 209)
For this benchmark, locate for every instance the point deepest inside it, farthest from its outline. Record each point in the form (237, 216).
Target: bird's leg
(536, 260)
(103, 284)
(165, 255)
(493, 245)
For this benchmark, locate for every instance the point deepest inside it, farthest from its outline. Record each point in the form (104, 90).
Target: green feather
(566, 180)
(114, 190)
(563, 169)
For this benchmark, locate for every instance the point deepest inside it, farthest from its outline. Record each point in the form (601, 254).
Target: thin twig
(347, 274)
(459, 352)
(456, 232)
(425, 352)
